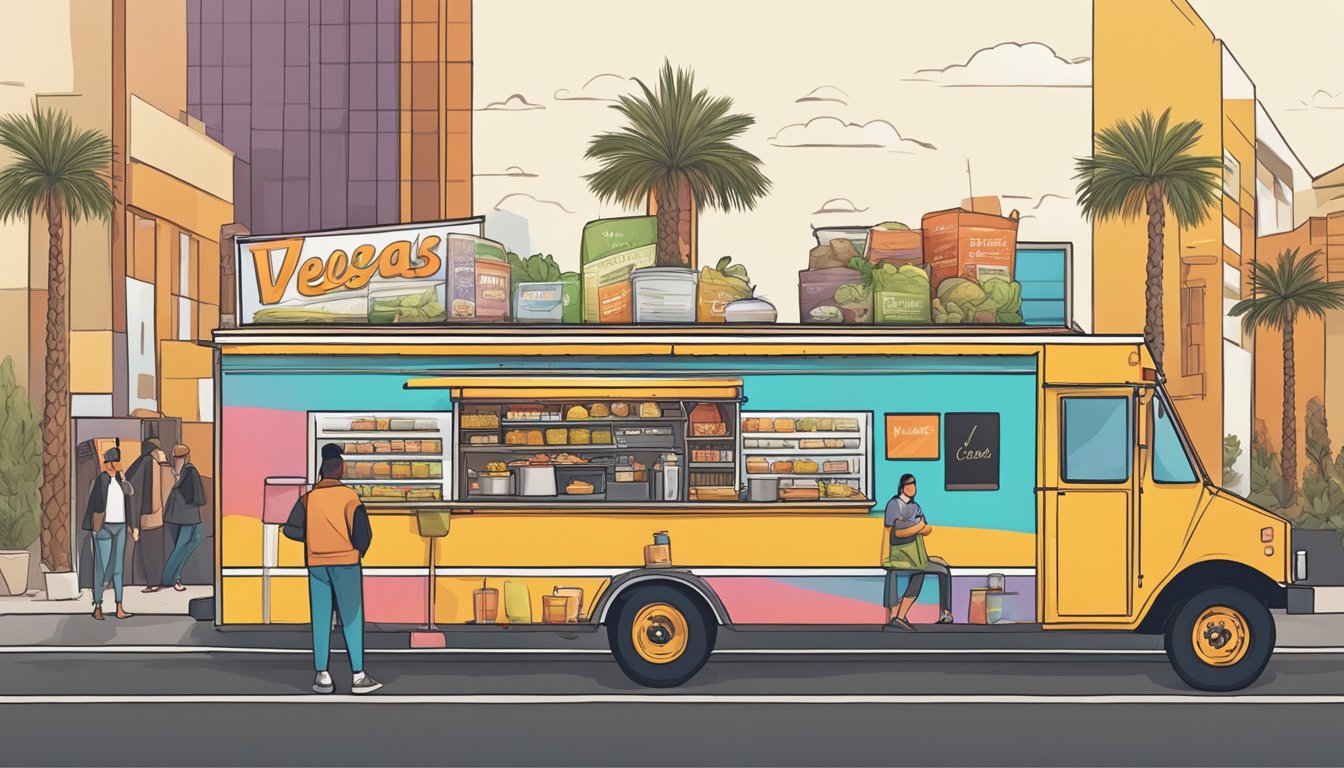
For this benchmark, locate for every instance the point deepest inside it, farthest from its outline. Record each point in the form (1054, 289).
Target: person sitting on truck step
(905, 520)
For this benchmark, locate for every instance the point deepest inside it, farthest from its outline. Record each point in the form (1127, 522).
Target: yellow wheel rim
(1221, 636)
(659, 633)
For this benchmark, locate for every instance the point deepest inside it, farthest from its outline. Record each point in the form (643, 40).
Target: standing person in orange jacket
(334, 526)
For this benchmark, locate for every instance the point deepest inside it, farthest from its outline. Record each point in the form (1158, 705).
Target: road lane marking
(207, 649)
(674, 698)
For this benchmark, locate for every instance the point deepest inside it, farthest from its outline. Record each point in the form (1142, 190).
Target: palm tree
(676, 139)
(63, 173)
(1279, 293)
(1147, 165)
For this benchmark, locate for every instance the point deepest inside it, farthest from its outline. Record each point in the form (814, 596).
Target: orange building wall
(1151, 55)
(435, 109)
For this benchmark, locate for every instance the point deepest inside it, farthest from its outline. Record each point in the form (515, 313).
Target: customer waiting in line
(182, 517)
(109, 511)
(905, 521)
(334, 526)
(143, 475)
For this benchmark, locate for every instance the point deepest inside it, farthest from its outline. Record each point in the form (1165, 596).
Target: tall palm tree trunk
(669, 227)
(56, 412)
(1153, 321)
(1288, 459)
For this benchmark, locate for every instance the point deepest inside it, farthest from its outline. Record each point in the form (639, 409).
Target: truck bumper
(1301, 600)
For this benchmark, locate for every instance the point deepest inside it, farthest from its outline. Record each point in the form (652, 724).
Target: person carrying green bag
(907, 528)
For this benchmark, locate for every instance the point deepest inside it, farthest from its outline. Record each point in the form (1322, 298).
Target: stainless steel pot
(763, 489)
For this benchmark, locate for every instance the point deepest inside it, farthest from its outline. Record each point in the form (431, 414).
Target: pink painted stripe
(759, 600)
(257, 443)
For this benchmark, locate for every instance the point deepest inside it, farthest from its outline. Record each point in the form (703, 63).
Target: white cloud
(513, 171)
(1320, 100)
(839, 205)
(1012, 65)
(603, 87)
(824, 93)
(521, 203)
(514, 103)
(827, 131)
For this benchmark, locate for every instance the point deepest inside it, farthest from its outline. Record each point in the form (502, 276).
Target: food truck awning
(551, 388)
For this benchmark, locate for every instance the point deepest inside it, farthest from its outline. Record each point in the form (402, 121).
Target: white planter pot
(62, 585)
(13, 571)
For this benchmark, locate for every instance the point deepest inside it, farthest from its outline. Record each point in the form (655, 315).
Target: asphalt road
(568, 709)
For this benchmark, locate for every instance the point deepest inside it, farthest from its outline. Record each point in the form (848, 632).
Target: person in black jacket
(110, 512)
(182, 516)
(142, 475)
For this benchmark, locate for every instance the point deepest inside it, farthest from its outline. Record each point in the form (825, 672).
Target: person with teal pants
(333, 524)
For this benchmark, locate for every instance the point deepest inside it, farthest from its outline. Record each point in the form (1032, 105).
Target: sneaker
(902, 624)
(364, 684)
(322, 683)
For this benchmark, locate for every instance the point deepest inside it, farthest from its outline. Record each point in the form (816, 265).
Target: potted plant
(20, 479)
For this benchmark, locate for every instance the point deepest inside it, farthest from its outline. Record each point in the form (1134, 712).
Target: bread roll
(599, 411)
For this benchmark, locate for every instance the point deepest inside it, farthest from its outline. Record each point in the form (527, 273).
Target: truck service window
(1170, 462)
(1097, 440)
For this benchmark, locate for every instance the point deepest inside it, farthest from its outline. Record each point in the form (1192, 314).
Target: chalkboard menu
(971, 451)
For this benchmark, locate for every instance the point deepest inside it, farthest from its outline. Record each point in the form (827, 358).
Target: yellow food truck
(669, 483)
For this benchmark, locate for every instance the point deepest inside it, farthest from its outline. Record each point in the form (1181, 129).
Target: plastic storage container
(857, 235)
(539, 302)
(750, 311)
(664, 295)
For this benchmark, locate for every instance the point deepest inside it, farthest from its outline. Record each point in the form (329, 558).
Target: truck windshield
(1171, 463)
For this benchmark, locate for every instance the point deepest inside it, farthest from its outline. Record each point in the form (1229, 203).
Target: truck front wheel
(660, 635)
(1220, 639)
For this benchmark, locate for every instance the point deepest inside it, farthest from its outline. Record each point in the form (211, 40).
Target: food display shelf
(713, 464)
(600, 420)
(857, 435)
(710, 438)
(803, 451)
(434, 435)
(808, 475)
(549, 448)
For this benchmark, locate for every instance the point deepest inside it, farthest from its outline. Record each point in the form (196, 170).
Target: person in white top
(108, 514)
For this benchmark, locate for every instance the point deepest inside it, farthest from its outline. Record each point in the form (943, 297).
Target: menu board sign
(971, 452)
(912, 436)
(336, 276)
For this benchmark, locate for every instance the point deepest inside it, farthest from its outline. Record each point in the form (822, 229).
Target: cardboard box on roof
(961, 243)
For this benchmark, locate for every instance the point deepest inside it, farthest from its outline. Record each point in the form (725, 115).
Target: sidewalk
(166, 602)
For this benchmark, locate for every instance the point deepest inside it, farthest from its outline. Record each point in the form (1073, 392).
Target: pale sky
(898, 139)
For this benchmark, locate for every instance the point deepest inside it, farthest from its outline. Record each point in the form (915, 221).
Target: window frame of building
(1192, 328)
(1231, 176)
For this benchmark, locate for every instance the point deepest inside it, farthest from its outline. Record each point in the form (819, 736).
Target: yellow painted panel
(186, 360)
(240, 541)
(90, 362)
(290, 553)
(707, 540)
(289, 600)
(1092, 553)
(1099, 364)
(240, 599)
(180, 398)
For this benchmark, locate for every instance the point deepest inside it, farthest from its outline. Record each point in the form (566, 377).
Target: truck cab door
(1090, 500)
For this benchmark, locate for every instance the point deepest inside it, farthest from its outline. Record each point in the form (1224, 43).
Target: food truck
(664, 483)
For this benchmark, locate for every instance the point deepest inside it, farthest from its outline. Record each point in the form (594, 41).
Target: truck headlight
(1300, 565)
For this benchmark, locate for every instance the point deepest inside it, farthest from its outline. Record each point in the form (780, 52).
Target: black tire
(1202, 675)
(700, 634)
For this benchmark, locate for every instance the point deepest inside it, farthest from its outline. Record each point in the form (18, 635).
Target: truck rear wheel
(661, 636)
(1220, 639)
